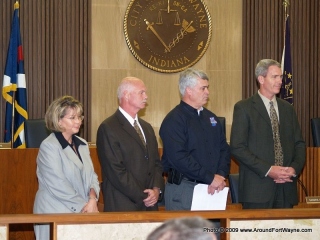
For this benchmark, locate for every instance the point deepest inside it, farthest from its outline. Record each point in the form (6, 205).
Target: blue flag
(287, 83)
(14, 87)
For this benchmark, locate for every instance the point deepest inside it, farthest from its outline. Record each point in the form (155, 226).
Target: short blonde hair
(58, 109)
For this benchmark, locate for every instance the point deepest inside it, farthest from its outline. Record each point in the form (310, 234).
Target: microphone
(303, 187)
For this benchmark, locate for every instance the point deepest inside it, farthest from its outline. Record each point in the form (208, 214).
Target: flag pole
(286, 64)
(12, 121)
(285, 4)
(15, 6)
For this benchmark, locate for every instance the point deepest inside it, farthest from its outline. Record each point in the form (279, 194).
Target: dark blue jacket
(195, 145)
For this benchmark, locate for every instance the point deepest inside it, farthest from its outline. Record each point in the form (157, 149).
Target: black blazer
(128, 168)
(252, 145)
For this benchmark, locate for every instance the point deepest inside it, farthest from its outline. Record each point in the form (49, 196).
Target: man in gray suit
(266, 182)
(128, 154)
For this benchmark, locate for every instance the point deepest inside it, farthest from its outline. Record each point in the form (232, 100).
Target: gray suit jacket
(127, 167)
(252, 145)
(64, 182)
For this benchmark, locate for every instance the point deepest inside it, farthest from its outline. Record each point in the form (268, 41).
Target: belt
(191, 180)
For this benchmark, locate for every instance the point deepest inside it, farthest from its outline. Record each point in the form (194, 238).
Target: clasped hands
(217, 184)
(90, 207)
(153, 196)
(282, 174)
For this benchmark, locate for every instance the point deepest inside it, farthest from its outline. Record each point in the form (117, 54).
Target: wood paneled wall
(57, 59)
(56, 46)
(56, 38)
(309, 176)
(112, 61)
(263, 37)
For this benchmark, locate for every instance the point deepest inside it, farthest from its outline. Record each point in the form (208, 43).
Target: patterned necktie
(138, 130)
(276, 136)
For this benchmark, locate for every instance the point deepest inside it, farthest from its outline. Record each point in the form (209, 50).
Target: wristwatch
(160, 195)
(92, 197)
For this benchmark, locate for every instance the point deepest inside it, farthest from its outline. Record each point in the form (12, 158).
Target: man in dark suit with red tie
(266, 139)
(128, 154)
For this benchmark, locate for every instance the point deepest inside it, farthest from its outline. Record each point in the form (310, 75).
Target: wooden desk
(18, 181)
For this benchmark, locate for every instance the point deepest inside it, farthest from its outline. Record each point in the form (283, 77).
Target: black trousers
(277, 201)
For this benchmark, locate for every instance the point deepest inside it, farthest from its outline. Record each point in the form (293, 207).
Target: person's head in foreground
(189, 228)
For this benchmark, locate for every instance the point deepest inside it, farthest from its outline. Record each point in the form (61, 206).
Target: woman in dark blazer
(67, 181)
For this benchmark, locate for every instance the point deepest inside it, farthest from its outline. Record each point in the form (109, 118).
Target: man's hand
(153, 196)
(282, 174)
(217, 184)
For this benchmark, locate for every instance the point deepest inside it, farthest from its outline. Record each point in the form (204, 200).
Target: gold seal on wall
(165, 35)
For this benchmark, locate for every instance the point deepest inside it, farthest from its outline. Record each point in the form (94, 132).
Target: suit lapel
(145, 131)
(281, 109)
(72, 156)
(130, 129)
(282, 114)
(86, 163)
(261, 108)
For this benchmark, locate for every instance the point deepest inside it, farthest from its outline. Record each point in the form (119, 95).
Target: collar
(267, 101)
(199, 110)
(128, 117)
(64, 143)
(191, 109)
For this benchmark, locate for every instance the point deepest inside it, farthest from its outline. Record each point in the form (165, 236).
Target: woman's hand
(90, 207)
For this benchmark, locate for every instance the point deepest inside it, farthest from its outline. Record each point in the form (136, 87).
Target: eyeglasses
(79, 118)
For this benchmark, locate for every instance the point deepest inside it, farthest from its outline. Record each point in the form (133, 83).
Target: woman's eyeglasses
(73, 118)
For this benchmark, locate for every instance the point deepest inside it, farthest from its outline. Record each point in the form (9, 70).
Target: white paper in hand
(203, 201)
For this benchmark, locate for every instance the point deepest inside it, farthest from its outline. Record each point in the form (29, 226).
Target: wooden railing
(227, 217)
(18, 181)
(18, 177)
